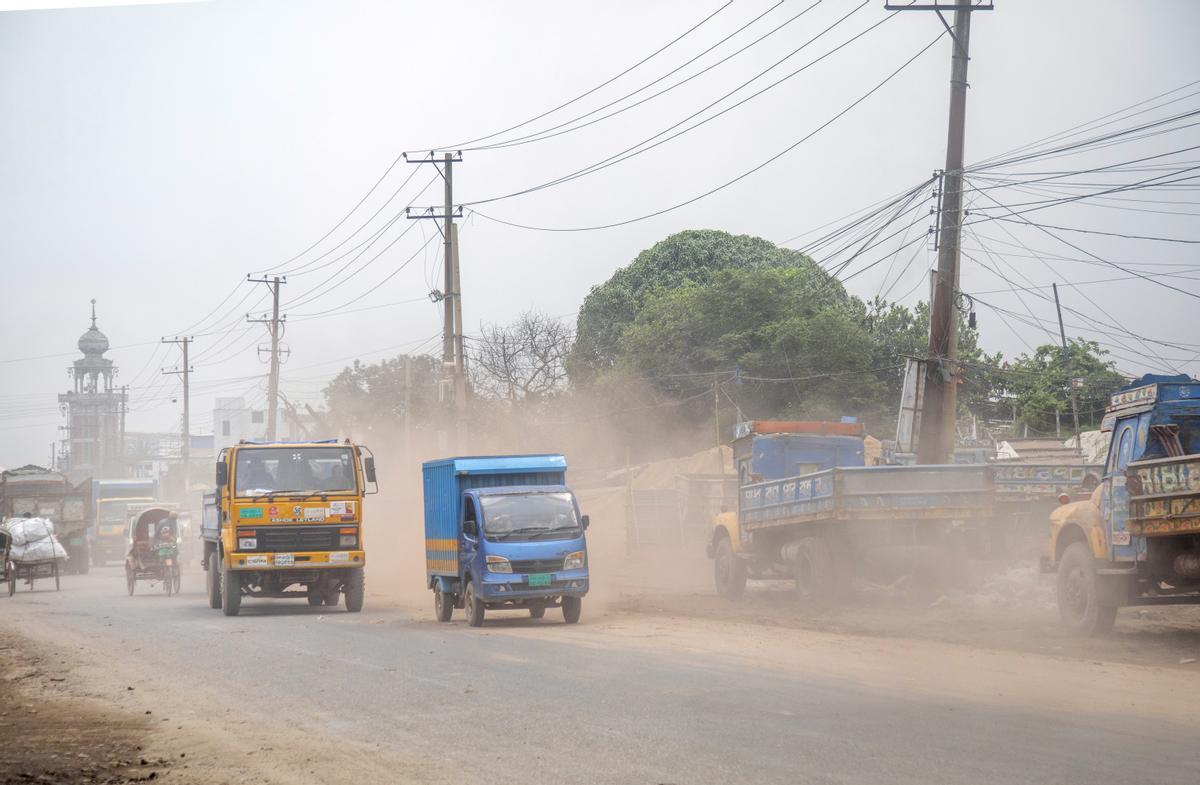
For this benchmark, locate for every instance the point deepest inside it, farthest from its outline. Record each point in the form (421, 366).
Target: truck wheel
(315, 597)
(213, 581)
(1078, 597)
(443, 604)
(474, 607)
(231, 592)
(356, 586)
(812, 566)
(729, 572)
(537, 611)
(572, 607)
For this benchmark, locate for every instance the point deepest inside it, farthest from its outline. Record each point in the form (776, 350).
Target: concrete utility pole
(1070, 372)
(121, 444)
(276, 323)
(185, 450)
(939, 413)
(453, 353)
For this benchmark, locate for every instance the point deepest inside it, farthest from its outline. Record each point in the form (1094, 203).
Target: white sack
(27, 530)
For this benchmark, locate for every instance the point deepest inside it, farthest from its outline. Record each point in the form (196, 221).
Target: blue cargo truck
(503, 532)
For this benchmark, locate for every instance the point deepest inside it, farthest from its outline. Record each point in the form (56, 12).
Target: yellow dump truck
(286, 520)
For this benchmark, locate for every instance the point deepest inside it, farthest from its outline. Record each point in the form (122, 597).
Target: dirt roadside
(54, 736)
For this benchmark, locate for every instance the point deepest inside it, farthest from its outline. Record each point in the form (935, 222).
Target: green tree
(1040, 385)
(686, 258)
(366, 397)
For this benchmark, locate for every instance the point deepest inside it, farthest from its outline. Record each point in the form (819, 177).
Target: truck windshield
(113, 511)
(529, 516)
(269, 470)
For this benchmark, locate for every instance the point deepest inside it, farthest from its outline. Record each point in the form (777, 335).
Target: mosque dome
(93, 342)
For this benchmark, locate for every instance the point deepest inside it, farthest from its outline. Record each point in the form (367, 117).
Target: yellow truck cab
(286, 520)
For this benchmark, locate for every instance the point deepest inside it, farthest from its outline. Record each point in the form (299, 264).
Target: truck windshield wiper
(523, 530)
(556, 529)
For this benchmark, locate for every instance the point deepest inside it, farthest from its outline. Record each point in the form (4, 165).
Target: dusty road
(288, 694)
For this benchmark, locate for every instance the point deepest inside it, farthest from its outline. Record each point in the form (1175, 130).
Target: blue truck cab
(503, 532)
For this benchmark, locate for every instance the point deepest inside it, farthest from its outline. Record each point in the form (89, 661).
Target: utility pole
(121, 444)
(185, 370)
(276, 324)
(1062, 332)
(717, 423)
(453, 354)
(939, 413)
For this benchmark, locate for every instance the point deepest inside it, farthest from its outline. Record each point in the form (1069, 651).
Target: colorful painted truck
(286, 520)
(503, 532)
(1136, 539)
(1026, 494)
(810, 511)
(44, 493)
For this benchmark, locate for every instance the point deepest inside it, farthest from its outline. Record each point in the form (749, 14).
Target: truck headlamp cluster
(498, 564)
(574, 561)
(247, 543)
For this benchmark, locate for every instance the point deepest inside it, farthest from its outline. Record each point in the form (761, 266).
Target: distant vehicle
(504, 532)
(153, 547)
(1136, 539)
(286, 520)
(809, 511)
(48, 494)
(111, 499)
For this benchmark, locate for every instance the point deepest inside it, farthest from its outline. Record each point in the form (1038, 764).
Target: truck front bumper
(500, 586)
(281, 561)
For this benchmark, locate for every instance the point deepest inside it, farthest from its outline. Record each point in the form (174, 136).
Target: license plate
(285, 559)
(540, 579)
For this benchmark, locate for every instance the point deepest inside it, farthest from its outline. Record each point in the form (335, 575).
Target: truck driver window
(529, 516)
(294, 470)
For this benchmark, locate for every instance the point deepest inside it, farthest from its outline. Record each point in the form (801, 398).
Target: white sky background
(151, 156)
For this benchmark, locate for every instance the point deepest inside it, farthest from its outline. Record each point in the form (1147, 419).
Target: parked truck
(808, 510)
(286, 520)
(44, 493)
(1136, 539)
(1027, 492)
(111, 499)
(503, 532)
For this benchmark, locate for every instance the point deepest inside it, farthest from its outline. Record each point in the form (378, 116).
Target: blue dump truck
(503, 532)
(808, 510)
(1136, 540)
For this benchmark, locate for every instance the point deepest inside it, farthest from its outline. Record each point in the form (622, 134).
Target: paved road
(539, 702)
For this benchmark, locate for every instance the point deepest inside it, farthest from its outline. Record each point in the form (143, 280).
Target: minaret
(93, 409)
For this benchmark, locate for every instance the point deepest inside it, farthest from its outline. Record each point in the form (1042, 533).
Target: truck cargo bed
(1164, 496)
(883, 493)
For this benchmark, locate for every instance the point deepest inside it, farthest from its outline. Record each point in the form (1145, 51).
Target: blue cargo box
(445, 482)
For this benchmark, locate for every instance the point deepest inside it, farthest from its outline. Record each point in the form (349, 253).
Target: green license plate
(540, 579)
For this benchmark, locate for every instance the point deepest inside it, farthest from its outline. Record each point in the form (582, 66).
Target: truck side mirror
(369, 468)
(222, 474)
(586, 521)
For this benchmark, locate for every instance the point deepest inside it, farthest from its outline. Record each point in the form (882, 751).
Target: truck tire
(231, 593)
(1078, 596)
(315, 597)
(572, 607)
(814, 571)
(443, 604)
(537, 611)
(474, 606)
(729, 572)
(356, 586)
(212, 579)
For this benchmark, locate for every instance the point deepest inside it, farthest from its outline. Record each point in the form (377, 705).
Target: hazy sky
(152, 156)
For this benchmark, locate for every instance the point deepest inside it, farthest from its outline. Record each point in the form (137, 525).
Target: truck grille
(282, 539)
(526, 566)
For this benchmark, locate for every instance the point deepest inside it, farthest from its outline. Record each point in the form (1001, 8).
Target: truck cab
(1136, 539)
(286, 520)
(504, 532)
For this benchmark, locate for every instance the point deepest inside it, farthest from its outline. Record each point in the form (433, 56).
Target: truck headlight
(574, 561)
(247, 543)
(498, 564)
